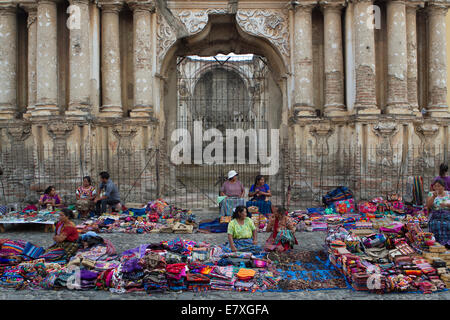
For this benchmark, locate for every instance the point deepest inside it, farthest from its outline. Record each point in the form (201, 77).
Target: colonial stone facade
(81, 75)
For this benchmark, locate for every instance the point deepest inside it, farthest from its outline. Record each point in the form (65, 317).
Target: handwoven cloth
(439, 225)
(229, 204)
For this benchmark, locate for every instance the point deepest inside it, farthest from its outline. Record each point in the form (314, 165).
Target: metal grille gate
(221, 92)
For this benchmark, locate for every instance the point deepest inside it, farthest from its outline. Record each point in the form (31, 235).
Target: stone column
(142, 58)
(411, 39)
(8, 61)
(437, 61)
(334, 63)
(110, 65)
(397, 59)
(80, 71)
(365, 99)
(303, 61)
(46, 60)
(32, 42)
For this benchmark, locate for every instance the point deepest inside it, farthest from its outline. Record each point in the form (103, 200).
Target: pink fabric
(232, 189)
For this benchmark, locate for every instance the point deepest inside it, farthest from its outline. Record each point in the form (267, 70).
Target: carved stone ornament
(125, 134)
(385, 130)
(270, 24)
(321, 132)
(19, 134)
(426, 132)
(165, 38)
(59, 130)
(196, 20)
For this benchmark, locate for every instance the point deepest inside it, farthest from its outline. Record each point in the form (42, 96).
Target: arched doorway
(220, 79)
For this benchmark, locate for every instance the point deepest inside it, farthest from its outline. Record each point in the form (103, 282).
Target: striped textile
(264, 207)
(14, 247)
(229, 204)
(439, 225)
(418, 190)
(32, 251)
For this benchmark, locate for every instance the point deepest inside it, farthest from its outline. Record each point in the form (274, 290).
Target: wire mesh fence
(144, 175)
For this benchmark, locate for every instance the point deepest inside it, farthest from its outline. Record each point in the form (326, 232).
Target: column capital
(111, 6)
(412, 5)
(437, 8)
(332, 4)
(305, 6)
(74, 2)
(8, 8)
(142, 5)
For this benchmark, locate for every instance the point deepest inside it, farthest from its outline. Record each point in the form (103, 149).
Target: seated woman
(66, 239)
(443, 169)
(50, 199)
(242, 232)
(438, 203)
(259, 194)
(85, 197)
(234, 191)
(283, 231)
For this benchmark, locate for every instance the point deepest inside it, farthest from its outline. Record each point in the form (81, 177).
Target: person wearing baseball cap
(234, 191)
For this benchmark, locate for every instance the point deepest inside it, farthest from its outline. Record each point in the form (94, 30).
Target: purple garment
(446, 180)
(88, 275)
(138, 251)
(231, 189)
(131, 265)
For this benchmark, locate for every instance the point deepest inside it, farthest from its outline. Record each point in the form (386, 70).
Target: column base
(7, 114)
(45, 110)
(110, 112)
(440, 111)
(337, 110)
(77, 112)
(141, 112)
(399, 109)
(304, 111)
(366, 109)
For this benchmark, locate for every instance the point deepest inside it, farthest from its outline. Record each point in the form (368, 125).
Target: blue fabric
(264, 188)
(243, 245)
(214, 226)
(138, 212)
(265, 207)
(439, 225)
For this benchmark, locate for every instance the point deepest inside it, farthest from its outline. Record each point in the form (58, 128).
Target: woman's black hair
(440, 181)
(443, 168)
(104, 175)
(47, 191)
(281, 209)
(68, 213)
(237, 211)
(88, 179)
(258, 177)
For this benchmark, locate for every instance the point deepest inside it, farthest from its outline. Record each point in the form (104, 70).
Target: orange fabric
(245, 273)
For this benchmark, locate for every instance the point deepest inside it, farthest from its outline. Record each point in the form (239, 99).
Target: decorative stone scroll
(165, 37)
(321, 132)
(195, 21)
(125, 134)
(59, 131)
(426, 132)
(270, 24)
(19, 134)
(385, 130)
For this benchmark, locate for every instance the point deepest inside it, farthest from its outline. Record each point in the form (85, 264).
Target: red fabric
(70, 231)
(175, 268)
(275, 228)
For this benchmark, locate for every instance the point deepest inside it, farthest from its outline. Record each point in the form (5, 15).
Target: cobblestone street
(307, 241)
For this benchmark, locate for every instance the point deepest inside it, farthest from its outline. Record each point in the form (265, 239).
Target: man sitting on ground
(109, 194)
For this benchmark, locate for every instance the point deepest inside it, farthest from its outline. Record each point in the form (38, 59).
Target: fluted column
(397, 59)
(8, 60)
(365, 99)
(303, 61)
(334, 61)
(80, 71)
(437, 63)
(32, 47)
(46, 60)
(142, 58)
(110, 65)
(411, 39)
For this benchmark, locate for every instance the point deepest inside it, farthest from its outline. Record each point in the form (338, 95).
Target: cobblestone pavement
(307, 241)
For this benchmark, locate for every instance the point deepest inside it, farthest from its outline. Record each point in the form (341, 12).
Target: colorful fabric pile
(30, 216)
(157, 216)
(394, 259)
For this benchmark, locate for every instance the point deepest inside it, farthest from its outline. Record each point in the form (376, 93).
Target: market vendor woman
(85, 197)
(259, 194)
(66, 236)
(234, 192)
(50, 198)
(438, 203)
(282, 237)
(242, 232)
